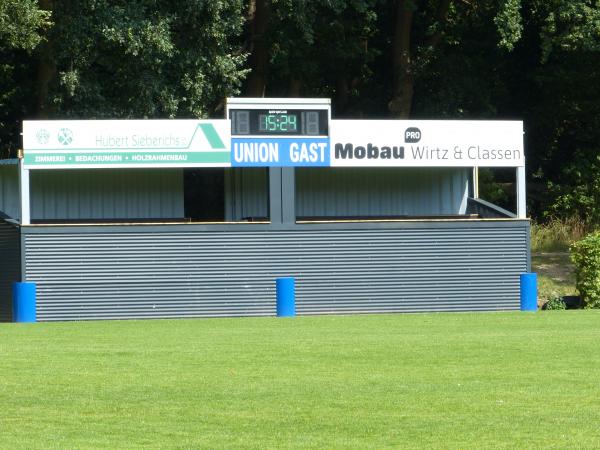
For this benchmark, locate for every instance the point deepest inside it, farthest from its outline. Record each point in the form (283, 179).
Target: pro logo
(412, 135)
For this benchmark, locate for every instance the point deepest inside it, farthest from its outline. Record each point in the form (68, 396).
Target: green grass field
(487, 380)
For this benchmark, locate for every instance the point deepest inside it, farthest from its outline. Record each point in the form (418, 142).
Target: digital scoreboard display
(278, 122)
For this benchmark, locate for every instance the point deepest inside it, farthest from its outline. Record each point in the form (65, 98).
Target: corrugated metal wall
(10, 266)
(9, 189)
(381, 191)
(106, 194)
(191, 271)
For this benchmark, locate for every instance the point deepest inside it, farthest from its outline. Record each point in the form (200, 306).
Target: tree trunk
(295, 87)
(46, 70)
(403, 81)
(258, 21)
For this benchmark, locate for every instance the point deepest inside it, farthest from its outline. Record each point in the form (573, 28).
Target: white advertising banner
(426, 143)
(77, 144)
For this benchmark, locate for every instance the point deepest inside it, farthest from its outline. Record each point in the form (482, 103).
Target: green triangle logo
(212, 136)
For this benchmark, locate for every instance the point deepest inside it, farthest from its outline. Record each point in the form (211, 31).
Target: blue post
(528, 292)
(286, 297)
(23, 305)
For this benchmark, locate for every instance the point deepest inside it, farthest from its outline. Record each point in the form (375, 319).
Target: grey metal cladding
(106, 194)
(351, 191)
(9, 190)
(10, 267)
(124, 273)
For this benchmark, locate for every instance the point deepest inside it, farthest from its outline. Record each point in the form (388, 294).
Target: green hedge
(555, 303)
(585, 255)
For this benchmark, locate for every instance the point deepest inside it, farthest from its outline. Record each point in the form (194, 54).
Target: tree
(22, 27)
(563, 114)
(406, 59)
(142, 58)
(21, 24)
(259, 12)
(311, 48)
(425, 33)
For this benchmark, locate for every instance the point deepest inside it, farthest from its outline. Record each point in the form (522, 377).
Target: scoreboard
(282, 132)
(279, 122)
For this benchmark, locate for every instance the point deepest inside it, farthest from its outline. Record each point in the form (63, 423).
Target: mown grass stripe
(488, 380)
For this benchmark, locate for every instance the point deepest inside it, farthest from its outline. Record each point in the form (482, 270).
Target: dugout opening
(246, 195)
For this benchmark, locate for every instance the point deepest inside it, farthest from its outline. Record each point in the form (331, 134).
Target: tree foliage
(142, 58)
(22, 23)
(585, 255)
(22, 27)
(562, 112)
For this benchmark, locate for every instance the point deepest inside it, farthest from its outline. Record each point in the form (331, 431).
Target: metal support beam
(24, 194)
(288, 195)
(275, 214)
(282, 195)
(475, 182)
(521, 193)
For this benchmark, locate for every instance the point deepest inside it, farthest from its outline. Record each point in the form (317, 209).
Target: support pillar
(521, 193)
(24, 194)
(282, 195)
